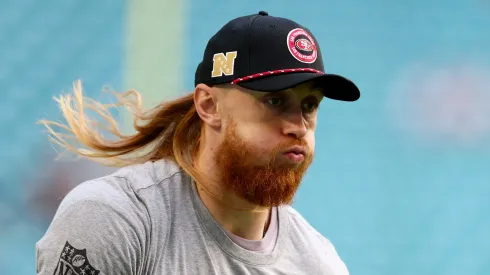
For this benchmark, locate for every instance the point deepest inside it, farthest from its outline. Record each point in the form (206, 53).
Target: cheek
(260, 139)
(256, 136)
(310, 139)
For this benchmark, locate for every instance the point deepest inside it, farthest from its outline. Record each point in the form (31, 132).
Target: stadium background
(401, 182)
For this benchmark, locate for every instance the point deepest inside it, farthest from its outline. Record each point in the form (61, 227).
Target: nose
(295, 126)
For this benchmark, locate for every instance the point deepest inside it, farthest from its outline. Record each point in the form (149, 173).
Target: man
(210, 176)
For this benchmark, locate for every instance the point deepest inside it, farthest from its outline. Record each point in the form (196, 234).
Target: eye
(310, 106)
(275, 101)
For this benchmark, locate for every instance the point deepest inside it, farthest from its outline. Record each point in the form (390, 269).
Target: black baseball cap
(266, 53)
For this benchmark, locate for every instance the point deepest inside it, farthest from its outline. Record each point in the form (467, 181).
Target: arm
(91, 234)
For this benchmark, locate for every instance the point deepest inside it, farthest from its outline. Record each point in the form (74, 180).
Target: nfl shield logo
(74, 262)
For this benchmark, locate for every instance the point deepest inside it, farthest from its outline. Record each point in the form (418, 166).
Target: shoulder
(119, 205)
(150, 174)
(297, 220)
(120, 193)
(298, 225)
(123, 185)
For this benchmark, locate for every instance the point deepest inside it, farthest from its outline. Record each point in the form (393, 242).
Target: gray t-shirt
(149, 219)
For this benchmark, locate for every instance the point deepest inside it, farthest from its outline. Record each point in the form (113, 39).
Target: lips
(297, 150)
(295, 154)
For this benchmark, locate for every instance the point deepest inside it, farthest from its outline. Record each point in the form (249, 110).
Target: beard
(266, 185)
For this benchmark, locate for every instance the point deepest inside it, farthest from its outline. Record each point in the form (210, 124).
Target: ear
(206, 102)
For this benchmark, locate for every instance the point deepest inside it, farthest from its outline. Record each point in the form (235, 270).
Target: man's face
(268, 142)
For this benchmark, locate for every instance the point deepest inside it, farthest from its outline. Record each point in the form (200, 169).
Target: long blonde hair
(171, 130)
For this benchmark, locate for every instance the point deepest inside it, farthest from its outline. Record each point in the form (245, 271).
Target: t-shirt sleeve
(91, 233)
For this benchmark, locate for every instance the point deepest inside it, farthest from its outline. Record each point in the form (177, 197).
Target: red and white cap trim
(268, 73)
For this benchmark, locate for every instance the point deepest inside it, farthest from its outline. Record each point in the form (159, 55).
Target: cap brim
(333, 86)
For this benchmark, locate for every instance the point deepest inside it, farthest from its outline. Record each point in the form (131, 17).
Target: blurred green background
(401, 179)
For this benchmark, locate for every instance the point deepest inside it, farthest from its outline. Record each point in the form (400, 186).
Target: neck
(233, 213)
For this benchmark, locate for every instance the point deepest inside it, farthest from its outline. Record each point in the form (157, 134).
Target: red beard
(263, 185)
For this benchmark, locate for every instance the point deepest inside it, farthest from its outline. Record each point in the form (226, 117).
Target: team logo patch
(302, 46)
(74, 262)
(223, 64)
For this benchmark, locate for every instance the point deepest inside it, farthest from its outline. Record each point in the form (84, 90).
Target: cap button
(264, 13)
